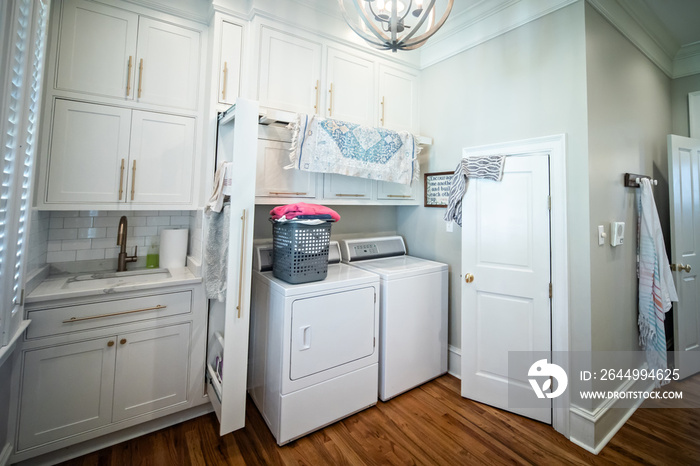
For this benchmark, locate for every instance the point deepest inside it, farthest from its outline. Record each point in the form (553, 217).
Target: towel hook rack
(632, 180)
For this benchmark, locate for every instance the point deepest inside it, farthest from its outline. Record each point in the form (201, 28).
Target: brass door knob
(110, 343)
(122, 341)
(681, 267)
(469, 278)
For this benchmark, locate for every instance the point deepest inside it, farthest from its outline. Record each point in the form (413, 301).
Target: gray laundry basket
(300, 251)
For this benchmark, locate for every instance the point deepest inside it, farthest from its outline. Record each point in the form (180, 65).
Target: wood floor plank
(430, 425)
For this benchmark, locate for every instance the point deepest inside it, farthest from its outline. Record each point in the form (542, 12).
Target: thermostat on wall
(617, 230)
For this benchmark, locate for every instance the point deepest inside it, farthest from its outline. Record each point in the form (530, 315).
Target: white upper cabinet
(398, 96)
(168, 64)
(344, 188)
(290, 72)
(351, 90)
(273, 181)
(114, 53)
(230, 63)
(97, 47)
(396, 191)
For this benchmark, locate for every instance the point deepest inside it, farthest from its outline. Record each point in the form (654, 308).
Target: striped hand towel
(488, 167)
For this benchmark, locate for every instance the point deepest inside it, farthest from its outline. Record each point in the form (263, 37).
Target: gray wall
(629, 116)
(527, 83)
(680, 88)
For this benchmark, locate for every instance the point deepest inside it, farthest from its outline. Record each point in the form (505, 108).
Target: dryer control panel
(372, 248)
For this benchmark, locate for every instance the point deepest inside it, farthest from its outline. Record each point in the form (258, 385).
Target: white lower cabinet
(273, 180)
(341, 187)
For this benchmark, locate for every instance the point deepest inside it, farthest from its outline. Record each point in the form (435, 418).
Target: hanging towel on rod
(656, 287)
(332, 146)
(222, 187)
(216, 237)
(489, 167)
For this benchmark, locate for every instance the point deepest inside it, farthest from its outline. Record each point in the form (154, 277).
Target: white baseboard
(454, 361)
(5, 454)
(592, 430)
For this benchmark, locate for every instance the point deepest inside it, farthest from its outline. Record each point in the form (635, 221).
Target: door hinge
(550, 290)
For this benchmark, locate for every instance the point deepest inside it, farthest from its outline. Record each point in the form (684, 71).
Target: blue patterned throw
(332, 146)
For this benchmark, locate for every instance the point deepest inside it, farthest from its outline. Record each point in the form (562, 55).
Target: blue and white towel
(656, 287)
(489, 167)
(332, 146)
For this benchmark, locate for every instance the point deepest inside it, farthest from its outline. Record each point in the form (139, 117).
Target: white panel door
(230, 62)
(398, 97)
(351, 88)
(331, 330)
(88, 144)
(161, 160)
(290, 73)
(167, 64)
(66, 390)
(506, 249)
(684, 199)
(272, 180)
(152, 370)
(96, 44)
(347, 187)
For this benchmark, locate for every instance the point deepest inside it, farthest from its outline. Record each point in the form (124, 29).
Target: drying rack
(632, 180)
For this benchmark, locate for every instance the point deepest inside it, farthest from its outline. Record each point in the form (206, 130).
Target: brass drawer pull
(78, 319)
(244, 223)
(276, 193)
(317, 96)
(382, 111)
(128, 78)
(330, 101)
(350, 195)
(140, 76)
(133, 180)
(398, 195)
(121, 181)
(223, 91)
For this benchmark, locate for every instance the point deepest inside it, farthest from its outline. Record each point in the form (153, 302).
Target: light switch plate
(601, 235)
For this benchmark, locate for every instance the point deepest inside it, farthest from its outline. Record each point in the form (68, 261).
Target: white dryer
(313, 355)
(413, 312)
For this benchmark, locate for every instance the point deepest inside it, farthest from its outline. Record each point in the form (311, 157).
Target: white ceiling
(680, 18)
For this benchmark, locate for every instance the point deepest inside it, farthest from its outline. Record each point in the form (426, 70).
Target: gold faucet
(121, 241)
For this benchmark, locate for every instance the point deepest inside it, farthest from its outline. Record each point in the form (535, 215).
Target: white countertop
(104, 283)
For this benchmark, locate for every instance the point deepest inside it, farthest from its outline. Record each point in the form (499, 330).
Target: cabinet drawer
(65, 319)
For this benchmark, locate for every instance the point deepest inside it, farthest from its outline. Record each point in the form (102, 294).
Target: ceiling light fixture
(394, 24)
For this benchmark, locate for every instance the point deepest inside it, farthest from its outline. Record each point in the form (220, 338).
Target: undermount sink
(114, 279)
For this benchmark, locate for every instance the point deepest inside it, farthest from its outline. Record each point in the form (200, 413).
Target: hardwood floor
(431, 424)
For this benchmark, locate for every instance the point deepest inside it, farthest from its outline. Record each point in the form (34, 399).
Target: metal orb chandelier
(394, 24)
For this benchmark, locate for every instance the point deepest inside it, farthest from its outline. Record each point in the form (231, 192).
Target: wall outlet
(449, 227)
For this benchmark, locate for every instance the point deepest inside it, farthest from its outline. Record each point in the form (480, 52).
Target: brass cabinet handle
(110, 343)
(133, 180)
(122, 341)
(330, 101)
(469, 278)
(382, 119)
(128, 78)
(101, 316)
(223, 92)
(140, 76)
(277, 193)
(121, 180)
(681, 268)
(350, 195)
(399, 195)
(317, 96)
(242, 262)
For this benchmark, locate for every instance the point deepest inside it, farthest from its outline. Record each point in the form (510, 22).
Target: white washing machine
(313, 357)
(413, 312)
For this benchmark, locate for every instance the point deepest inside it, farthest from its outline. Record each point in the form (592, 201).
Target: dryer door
(331, 330)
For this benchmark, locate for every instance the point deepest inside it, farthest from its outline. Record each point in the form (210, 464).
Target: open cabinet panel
(227, 348)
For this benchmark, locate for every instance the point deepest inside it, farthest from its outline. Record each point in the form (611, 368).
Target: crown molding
(481, 22)
(687, 61)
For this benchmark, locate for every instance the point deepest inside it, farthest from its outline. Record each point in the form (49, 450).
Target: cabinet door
(96, 45)
(290, 73)
(167, 64)
(272, 180)
(398, 96)
(66, 390)
(351, 88)
(346, 187)
(88, 144)
(230, 62)
(151, 370)
(396, 191)
(161, 159)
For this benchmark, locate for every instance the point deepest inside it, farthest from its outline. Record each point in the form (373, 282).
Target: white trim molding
(555, 146)
(454, 361)
(5, 454)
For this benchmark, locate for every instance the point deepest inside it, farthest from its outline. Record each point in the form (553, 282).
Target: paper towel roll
(173, 248)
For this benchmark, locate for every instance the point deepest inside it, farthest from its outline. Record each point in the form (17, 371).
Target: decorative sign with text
(437, 189)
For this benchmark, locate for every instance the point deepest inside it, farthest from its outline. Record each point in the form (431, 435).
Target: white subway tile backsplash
(112, 253)
(56, 222)
(145, 213)
(60, 256)
(103, 243)
(90, 254)
(66, 233)
(145, 231)
(65, 213)
(101, 222)
(53, 246)
(138, 221)
(77, 222)
(158, 221)
(74, 245)
(180, 220)
(92, 233)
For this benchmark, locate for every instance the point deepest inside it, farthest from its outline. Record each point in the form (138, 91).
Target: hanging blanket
(489, 167)
(656, 288)
(333, 146)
